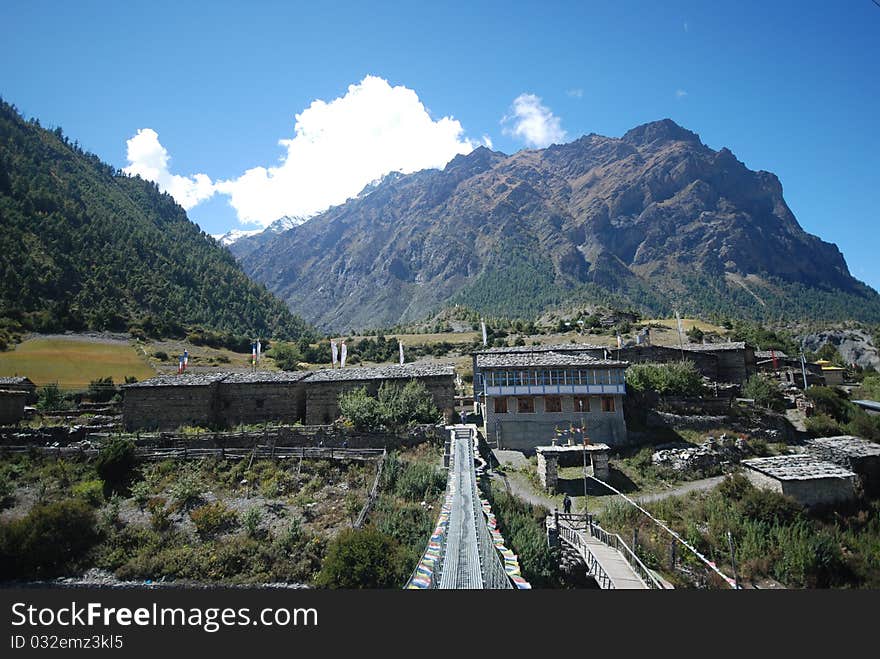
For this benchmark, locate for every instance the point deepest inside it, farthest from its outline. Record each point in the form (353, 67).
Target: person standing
(566, 504)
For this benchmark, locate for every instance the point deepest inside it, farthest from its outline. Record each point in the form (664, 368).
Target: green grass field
(73, 363)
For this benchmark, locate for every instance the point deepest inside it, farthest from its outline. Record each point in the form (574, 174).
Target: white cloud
(575, 93)
(487, 141)
(680, 93)
(149, 159)
(340, 146)
(532, 122)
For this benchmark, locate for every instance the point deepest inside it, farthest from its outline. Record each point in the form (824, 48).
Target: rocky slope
(652, 220)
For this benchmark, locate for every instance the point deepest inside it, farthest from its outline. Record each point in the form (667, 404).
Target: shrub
(360, 408)
(92, 492)
(253, 518)
(141, 492)
(160, 516)
(673, 379)
(50, 398)
(47, 541)
(187, 490)
(101, 390)
(765, 393)
(161, 355)
(822, 425)
(394, 407)
(7, 491)
(833, 402)
(115, 462)
(287, 356)
(363, 558)
(212, 519)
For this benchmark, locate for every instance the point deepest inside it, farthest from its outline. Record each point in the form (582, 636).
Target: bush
(50, 398)
(92, 492)
(822, 425)
(360, 408)
(161, 355)
(212, 519)
(833, 402)
(394, 407)
(287, 356)
(115, 462)
(412, 481)
(160, 516)
(253, 518)
(673, 379)
(101, 390)
(187, 490)
(48, 541)
(7, 491)
(363, 558)
(765, 393)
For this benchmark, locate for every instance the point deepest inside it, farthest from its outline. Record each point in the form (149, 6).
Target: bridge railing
(616, 542)
(574, 538)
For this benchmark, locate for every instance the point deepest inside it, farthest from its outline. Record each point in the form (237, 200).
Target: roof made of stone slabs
(556, 347)
(265, 377)
(854, 447)
(714, 347)
(182, 380)
(769, 354)
(798, 467)
(16, 379)
(393, 372)
(544, 359)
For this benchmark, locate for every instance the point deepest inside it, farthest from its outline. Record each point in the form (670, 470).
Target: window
(581, 404)
(607, 403)
(552, 404)
(500, 405)
(525, 405)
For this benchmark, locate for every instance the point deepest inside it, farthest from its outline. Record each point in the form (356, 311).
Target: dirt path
(684, 488)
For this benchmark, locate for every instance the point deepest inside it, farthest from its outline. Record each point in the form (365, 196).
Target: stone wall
(259, 402)
(12, 407)
(147, 408)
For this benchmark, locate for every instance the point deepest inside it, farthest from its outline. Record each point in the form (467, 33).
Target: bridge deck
(461, 561)
(606, 563)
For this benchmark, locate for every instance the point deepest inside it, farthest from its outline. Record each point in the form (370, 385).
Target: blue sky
(789, 87)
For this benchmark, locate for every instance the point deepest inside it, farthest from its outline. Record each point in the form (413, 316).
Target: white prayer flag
(342, 355)
(400, 344)
(483, 325)
(333, 350)
(259, 350)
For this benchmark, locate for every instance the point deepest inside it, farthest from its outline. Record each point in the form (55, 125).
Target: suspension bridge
(466, 549)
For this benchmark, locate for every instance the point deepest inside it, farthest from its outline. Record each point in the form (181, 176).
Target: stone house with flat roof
(526, 397)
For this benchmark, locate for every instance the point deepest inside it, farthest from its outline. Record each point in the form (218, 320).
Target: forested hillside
(84, 247)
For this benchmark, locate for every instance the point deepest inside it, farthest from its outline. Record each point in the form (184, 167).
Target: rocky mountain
(84, 247)
(241, 243)
(652, 220)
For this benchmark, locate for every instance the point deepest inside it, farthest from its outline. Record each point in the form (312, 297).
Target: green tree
(287, 356)
(115, 462)
(765, 393)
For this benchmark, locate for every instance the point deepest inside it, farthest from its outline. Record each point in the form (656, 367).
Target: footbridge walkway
(466, 549)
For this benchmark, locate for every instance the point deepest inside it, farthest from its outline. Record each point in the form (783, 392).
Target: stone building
(322, 388)
(808, 479)
(524, 397)
(228, 399)
(854, 453)
(168, 401)
(720, 362)
(20, 383)
(11, 406)
(249, 398)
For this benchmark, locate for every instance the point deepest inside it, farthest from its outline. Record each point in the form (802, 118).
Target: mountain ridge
(653, 220)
